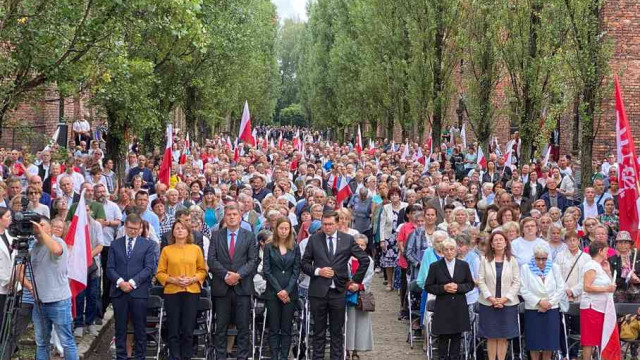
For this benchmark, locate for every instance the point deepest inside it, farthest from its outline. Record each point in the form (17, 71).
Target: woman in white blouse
(542, 288)
(598, 288)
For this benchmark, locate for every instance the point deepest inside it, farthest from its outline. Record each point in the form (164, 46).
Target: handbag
(366, 302)
(630, 327)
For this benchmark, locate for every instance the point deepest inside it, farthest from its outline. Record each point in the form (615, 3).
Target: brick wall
(34, 121)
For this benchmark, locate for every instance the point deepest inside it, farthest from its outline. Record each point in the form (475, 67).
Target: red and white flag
(359, 142)
(420, 157)
(80, 259)
(430, 142)
(254, 135)
(245, 126)
(610, 342)
(481, 160)
(164, 175)
(629, 197)
(344, 191)
(236, 151)
(372, 147)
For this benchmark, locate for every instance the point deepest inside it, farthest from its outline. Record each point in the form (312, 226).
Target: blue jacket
(428, 258)
(562, 201)
(140, 267)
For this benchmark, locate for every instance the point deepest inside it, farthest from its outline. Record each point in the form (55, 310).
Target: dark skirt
(542, 330)
(498, 323)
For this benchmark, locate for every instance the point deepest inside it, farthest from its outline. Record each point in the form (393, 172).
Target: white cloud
(289, 9)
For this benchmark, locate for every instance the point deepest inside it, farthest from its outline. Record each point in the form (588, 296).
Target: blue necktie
(129, 247)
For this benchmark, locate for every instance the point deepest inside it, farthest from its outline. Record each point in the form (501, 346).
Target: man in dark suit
(516, 196)
(233, 260)
(440, 200)
(325, 260)
(144, 172)
(130, 266)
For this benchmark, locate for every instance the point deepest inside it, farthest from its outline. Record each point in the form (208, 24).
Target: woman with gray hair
(542, 288)
(449, 280)
(359, 327)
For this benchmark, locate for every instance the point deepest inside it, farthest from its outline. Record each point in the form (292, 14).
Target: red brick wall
(42, 113)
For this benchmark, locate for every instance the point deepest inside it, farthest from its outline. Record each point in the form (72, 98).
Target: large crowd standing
(272, 221)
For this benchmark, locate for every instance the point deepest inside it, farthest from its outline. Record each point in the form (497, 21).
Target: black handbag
(366, 302)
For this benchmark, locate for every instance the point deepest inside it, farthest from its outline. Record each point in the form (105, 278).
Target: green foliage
(293, 115)
(143, 59)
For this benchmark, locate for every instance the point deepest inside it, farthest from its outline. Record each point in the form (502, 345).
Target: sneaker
(79, 332)
(98, 321)
(378, 270)
(112, 346)
(94, 330)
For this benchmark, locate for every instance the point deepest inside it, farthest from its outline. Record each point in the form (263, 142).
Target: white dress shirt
(451, 266)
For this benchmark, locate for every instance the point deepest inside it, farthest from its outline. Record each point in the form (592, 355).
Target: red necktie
(232, 245)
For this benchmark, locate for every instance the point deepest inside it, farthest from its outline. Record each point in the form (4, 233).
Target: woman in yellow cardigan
(181, 270)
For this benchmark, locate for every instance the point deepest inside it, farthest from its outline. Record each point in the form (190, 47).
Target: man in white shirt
(608, 163)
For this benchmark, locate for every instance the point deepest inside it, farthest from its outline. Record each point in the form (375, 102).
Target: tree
(531, 37)
(482, 68)
(588, 64)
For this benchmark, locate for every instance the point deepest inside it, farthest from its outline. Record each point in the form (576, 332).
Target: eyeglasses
(541, 259)
(32, 193)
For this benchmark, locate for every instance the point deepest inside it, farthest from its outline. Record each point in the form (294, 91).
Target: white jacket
(6, 263)
(386, 220)
(532, 289)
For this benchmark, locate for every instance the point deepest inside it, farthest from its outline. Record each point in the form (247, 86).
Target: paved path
(390, 334)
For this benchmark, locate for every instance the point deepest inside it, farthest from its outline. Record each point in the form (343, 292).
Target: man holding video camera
(49, 261)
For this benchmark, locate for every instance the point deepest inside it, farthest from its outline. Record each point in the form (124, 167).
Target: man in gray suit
(233, 260)
(440, 200)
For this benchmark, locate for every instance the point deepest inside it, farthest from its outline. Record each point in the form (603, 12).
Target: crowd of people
(298, 216)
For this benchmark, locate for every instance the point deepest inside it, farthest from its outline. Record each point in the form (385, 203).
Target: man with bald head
(440, 200)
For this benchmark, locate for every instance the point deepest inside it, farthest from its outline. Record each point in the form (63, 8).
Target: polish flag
(245, 126)
(430, 142)
(372, 147)
(507, 157)
(165, 168)
(236, 152)
(419, 157)
(629, 198)
(344, 191)
(254, 135)
(280, 142)
(610, 342)
(482, 160)
(271, 144)
(80, 259)
(359, 142)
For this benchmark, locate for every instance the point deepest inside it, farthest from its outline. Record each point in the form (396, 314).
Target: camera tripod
(8, 328)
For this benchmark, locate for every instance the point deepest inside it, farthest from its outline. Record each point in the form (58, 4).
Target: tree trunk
(115, 141)
(438, 81)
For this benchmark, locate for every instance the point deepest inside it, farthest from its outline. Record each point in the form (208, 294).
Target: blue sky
(289, 9)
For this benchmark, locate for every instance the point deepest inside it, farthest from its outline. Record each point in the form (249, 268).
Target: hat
(624, 236)
(258, 175)
(315, 226)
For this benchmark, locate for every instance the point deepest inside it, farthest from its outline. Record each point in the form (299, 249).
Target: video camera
(22, 229)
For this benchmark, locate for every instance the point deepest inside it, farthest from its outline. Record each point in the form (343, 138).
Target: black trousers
(182, 309)
(280, 320)
(224, 306)
(449, 346)
(333, 305)
(105, 299)
(125, 307)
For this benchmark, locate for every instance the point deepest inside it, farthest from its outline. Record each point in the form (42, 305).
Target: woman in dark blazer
(281, 268)
(532, 189)
(449, 280)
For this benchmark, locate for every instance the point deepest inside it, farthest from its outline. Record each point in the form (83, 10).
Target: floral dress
(390, 257)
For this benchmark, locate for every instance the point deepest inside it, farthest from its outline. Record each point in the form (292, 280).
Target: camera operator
(49, 261)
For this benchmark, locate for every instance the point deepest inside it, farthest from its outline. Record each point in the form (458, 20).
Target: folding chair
(202, 332)
(414, 315)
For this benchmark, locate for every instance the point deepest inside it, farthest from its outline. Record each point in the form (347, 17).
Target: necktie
(330, 246)
(129, 246)
(232, 245)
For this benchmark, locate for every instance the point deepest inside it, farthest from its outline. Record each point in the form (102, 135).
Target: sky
(289, 9)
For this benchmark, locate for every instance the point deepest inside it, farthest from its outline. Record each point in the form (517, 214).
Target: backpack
(629, 327)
